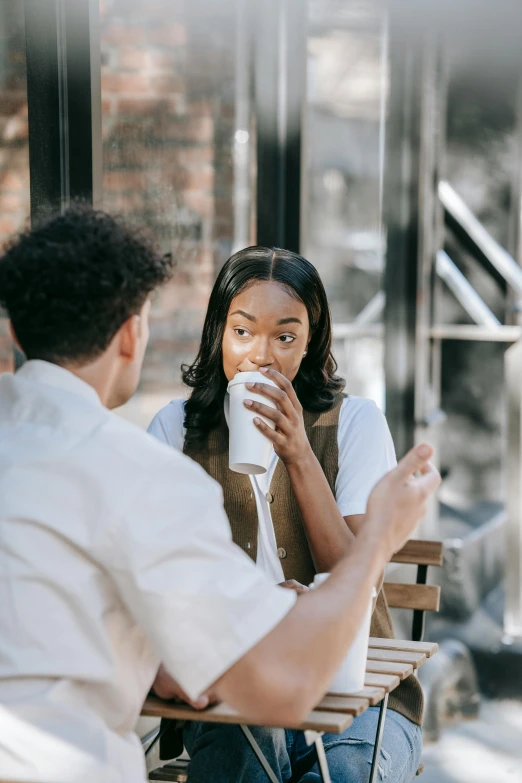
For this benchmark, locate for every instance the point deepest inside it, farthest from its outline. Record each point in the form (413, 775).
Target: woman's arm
(366, 453)
(329, 537)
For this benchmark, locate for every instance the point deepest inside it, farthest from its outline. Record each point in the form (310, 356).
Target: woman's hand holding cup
(289, 437)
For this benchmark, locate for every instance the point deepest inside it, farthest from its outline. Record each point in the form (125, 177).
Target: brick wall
(168, 128)
(14, 151)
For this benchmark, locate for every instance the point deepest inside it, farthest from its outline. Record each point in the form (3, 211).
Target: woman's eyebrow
(245, 315)
(289, 321)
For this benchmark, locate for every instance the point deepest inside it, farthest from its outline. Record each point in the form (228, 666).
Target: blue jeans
(220, 754)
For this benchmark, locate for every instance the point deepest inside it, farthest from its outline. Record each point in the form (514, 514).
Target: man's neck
(101, 375)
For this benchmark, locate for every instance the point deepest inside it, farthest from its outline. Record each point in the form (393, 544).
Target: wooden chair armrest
(415, 552)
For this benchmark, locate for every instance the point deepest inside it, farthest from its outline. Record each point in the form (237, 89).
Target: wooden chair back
(420, 597)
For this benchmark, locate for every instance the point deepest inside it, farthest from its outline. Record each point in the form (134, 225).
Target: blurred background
(382, 140)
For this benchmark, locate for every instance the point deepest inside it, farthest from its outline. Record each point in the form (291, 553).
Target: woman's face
(266, 327)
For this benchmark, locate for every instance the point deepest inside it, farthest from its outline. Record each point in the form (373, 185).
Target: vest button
(269, 497)
(281, 553)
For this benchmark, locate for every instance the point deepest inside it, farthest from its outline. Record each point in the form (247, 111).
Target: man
(115, 552)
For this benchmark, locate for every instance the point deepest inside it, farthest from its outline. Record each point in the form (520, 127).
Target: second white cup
(249, 449)
(352, 672)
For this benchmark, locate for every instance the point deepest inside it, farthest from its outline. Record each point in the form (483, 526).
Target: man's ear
(129, 335)
(15, 338)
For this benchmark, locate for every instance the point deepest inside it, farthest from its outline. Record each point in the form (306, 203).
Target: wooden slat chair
(386, 661)
(420, 596)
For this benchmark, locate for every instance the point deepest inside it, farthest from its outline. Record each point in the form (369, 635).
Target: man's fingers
(293, 584)
(429, 479)
(200, 703)
(166, 687)
(414, 461)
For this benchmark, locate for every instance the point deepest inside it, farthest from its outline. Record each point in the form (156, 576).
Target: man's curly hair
(70, 284)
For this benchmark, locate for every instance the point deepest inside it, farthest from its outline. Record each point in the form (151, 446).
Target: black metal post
(417, 629)
(280, 84)
(412, 216)
(84, 100)
(401, 217)
(64, 104)
(45, 107)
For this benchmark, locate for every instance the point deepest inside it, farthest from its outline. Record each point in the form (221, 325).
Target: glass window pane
(14, 149)
(177, 145)
(343, 166)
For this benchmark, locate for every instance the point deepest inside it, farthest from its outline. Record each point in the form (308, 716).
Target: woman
(268, 312)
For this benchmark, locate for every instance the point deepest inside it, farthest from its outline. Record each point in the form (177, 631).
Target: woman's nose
(261, 355)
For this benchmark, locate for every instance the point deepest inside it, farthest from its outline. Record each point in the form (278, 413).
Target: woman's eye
(286, 339)
(241, 332)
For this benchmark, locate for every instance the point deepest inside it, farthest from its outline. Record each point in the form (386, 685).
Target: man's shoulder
(143, 468)
(128, 442)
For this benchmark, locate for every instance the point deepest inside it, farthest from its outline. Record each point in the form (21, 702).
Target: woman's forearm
(328, 535)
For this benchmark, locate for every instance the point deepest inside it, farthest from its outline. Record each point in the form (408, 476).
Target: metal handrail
(509, 271)
(513, 472)
(352, 330)
(373, 310)
(500, 334)
(498, 257)
(464, 292)
(367, 324)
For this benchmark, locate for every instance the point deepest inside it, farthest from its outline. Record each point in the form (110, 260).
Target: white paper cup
(249, 450)
(352, 672)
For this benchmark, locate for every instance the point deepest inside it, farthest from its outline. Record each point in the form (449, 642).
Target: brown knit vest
(296, 559)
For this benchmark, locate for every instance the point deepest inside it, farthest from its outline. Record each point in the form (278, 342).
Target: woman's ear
(307, 344)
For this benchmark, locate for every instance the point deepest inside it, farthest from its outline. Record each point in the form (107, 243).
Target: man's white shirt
(115, 554)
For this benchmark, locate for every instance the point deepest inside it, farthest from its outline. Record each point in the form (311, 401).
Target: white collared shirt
(366, 453)
(115, 553)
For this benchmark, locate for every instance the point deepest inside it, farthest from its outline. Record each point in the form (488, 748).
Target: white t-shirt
(366, 453)
(115, 554)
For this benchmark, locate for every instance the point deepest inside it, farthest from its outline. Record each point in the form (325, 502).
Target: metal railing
(464, 292)
(479, 238)
(513, 477)
(485, 327)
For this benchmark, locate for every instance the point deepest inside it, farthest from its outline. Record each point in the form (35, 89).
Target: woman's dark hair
(316, 383)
